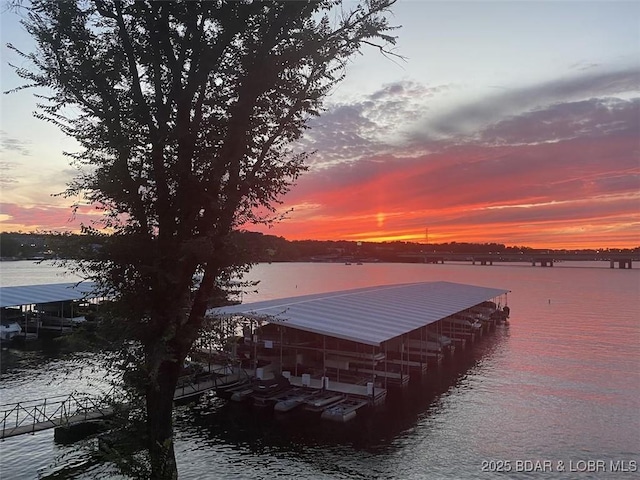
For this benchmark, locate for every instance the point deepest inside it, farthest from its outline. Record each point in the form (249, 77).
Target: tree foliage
(186, 113)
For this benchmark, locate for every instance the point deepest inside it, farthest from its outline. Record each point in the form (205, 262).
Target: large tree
(186, 113)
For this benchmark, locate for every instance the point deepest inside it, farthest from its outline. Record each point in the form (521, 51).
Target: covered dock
(46, 293)
(371, 337)
(46, 307)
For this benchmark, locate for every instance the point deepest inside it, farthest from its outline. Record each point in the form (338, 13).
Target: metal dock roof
(46, 293)
(370, 315)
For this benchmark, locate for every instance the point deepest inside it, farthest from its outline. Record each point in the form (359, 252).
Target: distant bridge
(623, 260)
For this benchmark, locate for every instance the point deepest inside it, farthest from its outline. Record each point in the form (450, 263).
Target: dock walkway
(65, 410)
(68, 410)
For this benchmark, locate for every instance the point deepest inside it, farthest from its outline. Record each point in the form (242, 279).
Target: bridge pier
(626, 263)
(543, 263)
(434, 260)
(483, 261)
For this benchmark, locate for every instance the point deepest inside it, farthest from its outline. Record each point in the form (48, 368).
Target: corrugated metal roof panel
(368, 315)
(51, 292)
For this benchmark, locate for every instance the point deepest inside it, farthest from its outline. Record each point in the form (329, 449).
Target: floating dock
(355, 344)
(47, 309)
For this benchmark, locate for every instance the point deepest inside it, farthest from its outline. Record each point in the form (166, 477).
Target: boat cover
(46, 293)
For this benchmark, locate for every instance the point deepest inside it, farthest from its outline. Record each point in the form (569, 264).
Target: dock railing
(34, 415)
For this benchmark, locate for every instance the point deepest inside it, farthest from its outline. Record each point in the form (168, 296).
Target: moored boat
(9, 331)
(327, 399)
(463, 322)
(344, 410)
(446, 344)
(227, 390)
(501, 316)
(265, 391)
(241, 394)
(293, 399)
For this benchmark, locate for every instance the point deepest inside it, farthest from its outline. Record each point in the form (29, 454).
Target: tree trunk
(160, 421)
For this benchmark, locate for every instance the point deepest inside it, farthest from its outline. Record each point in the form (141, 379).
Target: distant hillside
(258, 247)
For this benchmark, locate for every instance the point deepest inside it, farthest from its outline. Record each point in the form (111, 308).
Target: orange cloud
(33, 218)
(574, 193)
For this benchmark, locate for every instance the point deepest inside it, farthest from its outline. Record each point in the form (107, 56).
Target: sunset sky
(510, 122)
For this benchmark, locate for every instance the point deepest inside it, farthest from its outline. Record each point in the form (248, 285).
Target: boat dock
(357, 344)
(52, 309)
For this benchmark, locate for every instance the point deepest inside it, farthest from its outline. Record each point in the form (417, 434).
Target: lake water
(557, 390)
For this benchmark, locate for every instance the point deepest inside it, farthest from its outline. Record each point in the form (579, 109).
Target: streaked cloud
(12, 144)
(469, 118)
(547, 158)
(593, 118)
(6, 174)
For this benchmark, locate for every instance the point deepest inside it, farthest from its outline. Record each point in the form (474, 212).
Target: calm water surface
(561, 384)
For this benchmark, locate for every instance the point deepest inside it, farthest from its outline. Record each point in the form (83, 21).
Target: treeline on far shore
(258, 247)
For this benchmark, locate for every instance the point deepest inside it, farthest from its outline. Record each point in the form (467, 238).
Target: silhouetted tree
(9, 246)
(185, 112)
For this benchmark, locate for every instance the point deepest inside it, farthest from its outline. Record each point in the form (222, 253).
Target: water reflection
(32, 373)
(31, 355)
